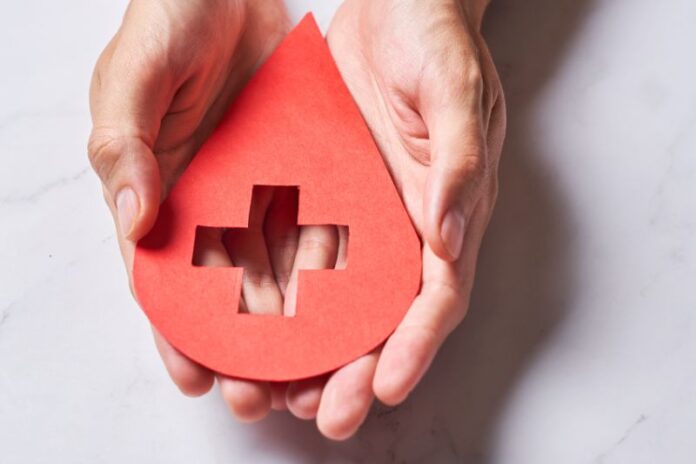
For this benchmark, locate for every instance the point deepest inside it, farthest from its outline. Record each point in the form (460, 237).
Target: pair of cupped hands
(424, 80)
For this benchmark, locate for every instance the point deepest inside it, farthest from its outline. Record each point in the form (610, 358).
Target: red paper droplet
(295, 123)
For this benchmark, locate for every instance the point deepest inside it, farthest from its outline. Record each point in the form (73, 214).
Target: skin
(425, 82)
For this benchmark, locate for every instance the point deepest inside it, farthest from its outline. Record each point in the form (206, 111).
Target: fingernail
(452, 231)
(127, 208)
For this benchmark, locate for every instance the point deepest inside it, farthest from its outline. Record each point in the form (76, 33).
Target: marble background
(580, 345)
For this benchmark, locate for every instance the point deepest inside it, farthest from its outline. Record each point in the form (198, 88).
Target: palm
(159, 88)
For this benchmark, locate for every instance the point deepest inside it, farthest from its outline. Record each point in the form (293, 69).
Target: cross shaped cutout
(257, 248)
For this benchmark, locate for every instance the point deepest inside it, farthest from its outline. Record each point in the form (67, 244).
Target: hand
(426, 84)
(158, 90)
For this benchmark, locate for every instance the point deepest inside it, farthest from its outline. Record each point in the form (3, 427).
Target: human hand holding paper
(158, 90)
(427, 86)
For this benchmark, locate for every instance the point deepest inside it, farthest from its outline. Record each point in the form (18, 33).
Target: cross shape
(280, 203)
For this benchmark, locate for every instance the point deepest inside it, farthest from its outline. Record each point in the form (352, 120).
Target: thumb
(458, 169)
(128, 98)
(130, 175)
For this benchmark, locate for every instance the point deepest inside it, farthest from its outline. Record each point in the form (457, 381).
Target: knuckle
(462, 71)
(106, 146)
(103, 151)
(316, 245)
(283, 244)
(446, 290)
(472, 166)
(454, 299)
(471, 75)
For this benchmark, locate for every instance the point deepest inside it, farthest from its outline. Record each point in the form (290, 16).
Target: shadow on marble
(524, 282)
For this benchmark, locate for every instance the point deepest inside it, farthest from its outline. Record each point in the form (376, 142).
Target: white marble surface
(581, 343)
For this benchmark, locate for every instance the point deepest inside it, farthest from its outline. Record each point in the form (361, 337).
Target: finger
(342, 254)
(129, 95)
(282, 233)
(409, 351)
(453, 111)
(303, 397)
(209, 250)
(347, 398)
(247, 249)
(317, 248)
(191, 378)
(249, 401)
(439, 307)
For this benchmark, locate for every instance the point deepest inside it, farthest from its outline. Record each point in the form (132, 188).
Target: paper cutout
(295, 123)
(227, 235)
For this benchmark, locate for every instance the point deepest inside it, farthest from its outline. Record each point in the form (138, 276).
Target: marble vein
(5, 314)
(43, 190)
(601, 459)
